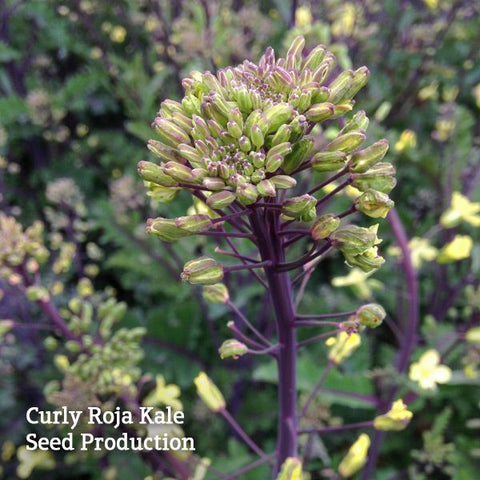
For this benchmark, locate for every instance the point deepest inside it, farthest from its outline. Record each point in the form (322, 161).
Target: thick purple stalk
(280, 288)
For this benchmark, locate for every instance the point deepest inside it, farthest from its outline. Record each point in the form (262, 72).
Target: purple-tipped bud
(220, 200)
(273, 163)
(151, 172)
(282, 135)
(244, 143)
(179, 172)
(213, 183)
(256, 136)
(191, 154)
(266, 188)
(162, 151)
(170, 133)
(258, 175)
(320, 112)
(247, 193)
(380, 177)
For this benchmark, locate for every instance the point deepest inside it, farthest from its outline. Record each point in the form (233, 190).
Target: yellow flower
(164, 395)
(458, 249)
(360, 282)
(461, 209)
(209, 393)
(431, 4)
(473, 335)
(342, 346)
(420, 250)
(476, 94)
(61, 362)
(345, 23)
(356, 457)
(407, 140)
(470, 371)
(29, 460)
(8, 450)
(118, 34)
(303, 16)
(291, 469)
(396, 419)
(428, 371)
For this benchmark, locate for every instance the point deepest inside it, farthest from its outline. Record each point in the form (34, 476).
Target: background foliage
(80, 84)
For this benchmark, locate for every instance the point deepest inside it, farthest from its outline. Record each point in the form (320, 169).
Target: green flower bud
(182, 121)
(200, 128)
(236, 116)
(215, 128)
(295, 207)
(314, 58)
(243, 99)
(191, 154)
(324, 226)
(283, 182)
(328, 161)
(380, 177)
(320, 112)
(340, 86)
(162, 194)
(364, 159)
(360, 78)
(266, 188)
(291, 469)
(256, 136)
(170, 133)
(367, 261)
(358, 122)
(213, 183)
(232, 348)
(374, 204)
(472, 335)
(216, 293)
(355, 240)
(281, 149)
(220, 200)
(165, 229)
(247, 193)
(282, 135)
(36, 293)
(277, 115)
(259, 175)
(162, 151)
(194, 223)
(348, 142)
(151, 172)
(202, 271)
(342, 109)
(320, 95)
(295, 50)
(198, 174)
(177, 171)
(191, 105)
(298, 155)
(371, 315)
(273, 163)
(299, 127)
(234, 129)
(171, 106)
(244, 143)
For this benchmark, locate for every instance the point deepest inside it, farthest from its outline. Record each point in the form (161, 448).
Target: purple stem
(316, 338)
(280, 288)
(251, 466)
(317, 388)
(339, 428)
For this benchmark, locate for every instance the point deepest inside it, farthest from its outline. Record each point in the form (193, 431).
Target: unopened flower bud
(295, 207)
(266, 188)
(202, 271)
(194, 223)
(216, 293)
(220, 200)
(324, 226)
(191, 154)
(244, 143)
(282, 135)
(232, 348)
(370, 315)
(277, 115)
(247, 193)
(151, 172)
(320, 112)
(259, 175)
(162, 151)
(298, 155)
(320, 95)
(170, 133)
(213, 183)
(356, 457)
(340, 86)
(256, 136)
(355, 240)
(348, 142)
(283, 181)
(177, 171)
(380, 177)
(366, 261)
(234, 129)
(36, 293)
(165, 229)
(358, 122)
(209, 393)
(363, 160)
(360, 78)
(374, 204)
(273, 163)
(328, 161)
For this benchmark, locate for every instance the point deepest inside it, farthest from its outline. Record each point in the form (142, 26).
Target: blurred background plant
(80, 83)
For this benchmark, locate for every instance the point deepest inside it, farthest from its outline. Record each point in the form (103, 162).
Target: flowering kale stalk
(244, 143)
